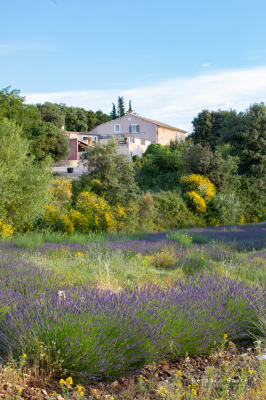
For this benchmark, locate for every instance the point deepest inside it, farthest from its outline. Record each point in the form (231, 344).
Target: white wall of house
(83, 136)
(130, 147)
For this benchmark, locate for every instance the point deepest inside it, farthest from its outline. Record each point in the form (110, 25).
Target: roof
(161, 124)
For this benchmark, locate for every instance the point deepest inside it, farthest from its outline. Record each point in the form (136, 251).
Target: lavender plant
(93, 334)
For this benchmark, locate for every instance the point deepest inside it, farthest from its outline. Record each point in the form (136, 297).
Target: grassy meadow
(97, 308)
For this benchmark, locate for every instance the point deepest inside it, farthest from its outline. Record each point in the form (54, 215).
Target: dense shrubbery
(174, 186)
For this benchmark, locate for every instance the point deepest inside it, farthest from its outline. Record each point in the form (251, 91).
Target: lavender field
(101, 307)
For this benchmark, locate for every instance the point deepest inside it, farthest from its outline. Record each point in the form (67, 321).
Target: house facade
(77, 149)
(132, 125)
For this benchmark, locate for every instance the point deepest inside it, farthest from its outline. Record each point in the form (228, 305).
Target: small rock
(156, 375)
(115, 384)
(59, 397)
(44, 392)
(47, 398)
(165, 367)
(232, 347)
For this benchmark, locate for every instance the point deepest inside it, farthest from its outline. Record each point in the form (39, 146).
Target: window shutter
(138, 128)
(130, 128)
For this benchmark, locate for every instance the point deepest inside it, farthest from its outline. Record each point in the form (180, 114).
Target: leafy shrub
(224, 209)
(171, 211)
(183, 239)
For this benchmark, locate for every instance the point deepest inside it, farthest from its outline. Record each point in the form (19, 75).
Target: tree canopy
(24, 183)
(114, 172)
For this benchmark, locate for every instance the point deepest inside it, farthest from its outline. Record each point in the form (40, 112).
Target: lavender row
(100, 334)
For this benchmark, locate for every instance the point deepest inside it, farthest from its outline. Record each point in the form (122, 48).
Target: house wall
(131, 147)
(80, 136)
(147, 130)
(134, 147)
(165, 136)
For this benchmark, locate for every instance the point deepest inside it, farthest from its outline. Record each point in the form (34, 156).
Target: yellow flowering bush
(6, 230)
(58, 220)
(200, 191)
(97, 213)
(197, 202)
(62, 190)
(200, 184)
(242, 220)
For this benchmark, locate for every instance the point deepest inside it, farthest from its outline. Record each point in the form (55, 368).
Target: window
(85, 138)
(117, 128)
(133, 128)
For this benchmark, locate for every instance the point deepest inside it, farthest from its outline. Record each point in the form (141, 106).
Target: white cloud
(15, 47)
(175, 102)
(205, 65)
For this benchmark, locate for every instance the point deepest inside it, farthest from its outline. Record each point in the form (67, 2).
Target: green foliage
(183, 239)
(121, 106)
(248, 140)
(24, 184)
(51, 113)
(207, 126)
(113, 113)
(115, 173)
(201, 160)
(101, 117)
(223, 209)
(153, 148)
(172, 212)
(159, 170)
(46, 139)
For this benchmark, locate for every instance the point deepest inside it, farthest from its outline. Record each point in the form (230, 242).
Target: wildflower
(62, 382)
(69, 380)
(24, 355)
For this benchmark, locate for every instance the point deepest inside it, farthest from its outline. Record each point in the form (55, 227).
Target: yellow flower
(62, 382)
(24, 355)
(69, 380)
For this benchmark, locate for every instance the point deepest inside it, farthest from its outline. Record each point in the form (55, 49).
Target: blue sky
(172, 58)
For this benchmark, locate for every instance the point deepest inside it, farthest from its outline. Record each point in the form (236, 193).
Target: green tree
(71, 117)
(129, 106)
(159, 169)
(46, 140)
(52, 113)
(24, 184)
(92, 120)
(113, 114)
(207, 126)
(82, 120)
(247, 137)
(102, 117)
(114, 171)
(203, 161)
(121, 106)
